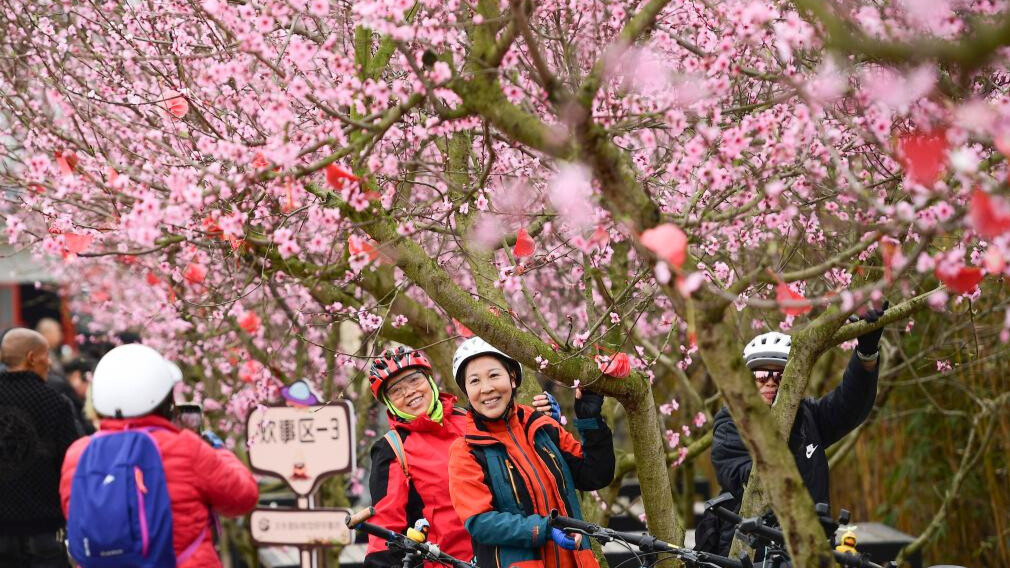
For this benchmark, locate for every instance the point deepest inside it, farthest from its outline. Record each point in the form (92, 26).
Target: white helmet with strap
(475, 347)
(770, 348)
(132, 380)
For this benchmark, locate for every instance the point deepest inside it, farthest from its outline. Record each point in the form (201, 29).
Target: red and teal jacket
(399, 502)
(506, 475)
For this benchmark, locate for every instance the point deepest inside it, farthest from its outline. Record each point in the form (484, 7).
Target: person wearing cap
(132, 388)
(818, 424)
(515, 465)
(408, 480)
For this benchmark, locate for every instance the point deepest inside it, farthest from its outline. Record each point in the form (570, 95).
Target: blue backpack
(120, 513)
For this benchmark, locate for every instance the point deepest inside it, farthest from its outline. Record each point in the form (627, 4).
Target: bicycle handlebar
(429, 551)
(643, 541)
(755, 526)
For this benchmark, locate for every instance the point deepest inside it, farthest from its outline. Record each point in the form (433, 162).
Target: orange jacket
(506, 475)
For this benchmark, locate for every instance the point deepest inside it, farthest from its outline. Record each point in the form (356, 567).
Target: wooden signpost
(303, 446)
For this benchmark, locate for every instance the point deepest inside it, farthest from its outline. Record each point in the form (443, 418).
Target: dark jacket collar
(20, 375)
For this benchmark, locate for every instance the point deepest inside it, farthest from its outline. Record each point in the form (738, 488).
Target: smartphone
(189, 415)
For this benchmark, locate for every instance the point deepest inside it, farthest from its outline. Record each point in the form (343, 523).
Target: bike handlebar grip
(716, 506)
(721, 561)
(562, 522)
(376, 530)
(360, 517)
(754, 526)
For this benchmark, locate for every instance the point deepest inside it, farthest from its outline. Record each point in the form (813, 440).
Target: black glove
(869, 342)
(589, 405)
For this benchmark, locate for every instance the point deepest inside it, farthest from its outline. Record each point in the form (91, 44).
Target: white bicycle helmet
(475, 347)
(132, 380)
(770, 348)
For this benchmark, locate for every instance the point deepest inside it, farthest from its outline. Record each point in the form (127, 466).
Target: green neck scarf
(434, 409)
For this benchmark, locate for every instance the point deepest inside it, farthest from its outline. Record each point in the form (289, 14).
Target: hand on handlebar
(566, 540)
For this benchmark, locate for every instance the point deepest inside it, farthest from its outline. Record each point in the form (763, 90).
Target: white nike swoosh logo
(810, 450)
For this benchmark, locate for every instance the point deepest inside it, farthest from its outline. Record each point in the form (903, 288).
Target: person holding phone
(132, 390)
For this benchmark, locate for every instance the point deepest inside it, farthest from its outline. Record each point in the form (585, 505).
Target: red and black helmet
(392, 362)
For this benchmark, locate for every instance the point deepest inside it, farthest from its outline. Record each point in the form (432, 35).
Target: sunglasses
(765, 376)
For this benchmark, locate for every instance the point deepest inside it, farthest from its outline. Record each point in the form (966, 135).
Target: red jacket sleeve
(226, 483)
(69, 467)
(390, 491)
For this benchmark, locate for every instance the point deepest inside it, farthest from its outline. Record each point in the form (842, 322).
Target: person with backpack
(142, 492)
(819, 423)
(409, 473)
(515, 465)
(36, 427)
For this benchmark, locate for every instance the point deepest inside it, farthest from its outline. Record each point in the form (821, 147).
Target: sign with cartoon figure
(304, 441)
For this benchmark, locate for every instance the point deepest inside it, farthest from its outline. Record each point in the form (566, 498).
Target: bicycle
(647, 544)
(415, 551)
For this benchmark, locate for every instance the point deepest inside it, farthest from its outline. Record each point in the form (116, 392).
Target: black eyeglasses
(765, 376)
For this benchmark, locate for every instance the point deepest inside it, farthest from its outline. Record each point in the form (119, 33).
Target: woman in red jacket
(132, 389)
(409, 474)
(515, 465)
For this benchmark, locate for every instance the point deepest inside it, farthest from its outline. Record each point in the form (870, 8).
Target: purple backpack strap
(191, 549)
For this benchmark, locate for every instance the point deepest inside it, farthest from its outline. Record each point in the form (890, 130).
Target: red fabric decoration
(176, 105)
(67, 162)
(990, 216)
(195, 273)
(618, 366)
(668, 242)
(462, 330)
(799, 304)
(250, 322)
(75, 244)
(337, 176)
(964, 280)
(524, 244)
(923, 155)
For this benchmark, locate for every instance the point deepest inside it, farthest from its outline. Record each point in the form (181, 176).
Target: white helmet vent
(770, 348)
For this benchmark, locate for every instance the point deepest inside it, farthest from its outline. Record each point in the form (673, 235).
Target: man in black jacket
(36, 427)
(819, 423)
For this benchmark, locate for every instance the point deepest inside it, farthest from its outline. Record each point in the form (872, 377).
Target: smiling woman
(489, 386)
(410, 393)
(515, 465)
(408, 475)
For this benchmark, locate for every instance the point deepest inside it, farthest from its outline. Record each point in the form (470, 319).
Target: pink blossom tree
(617, 194)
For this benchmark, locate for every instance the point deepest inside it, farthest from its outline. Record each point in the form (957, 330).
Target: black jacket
(37, 426)
(59, 383)
(819, 423)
